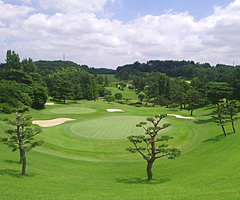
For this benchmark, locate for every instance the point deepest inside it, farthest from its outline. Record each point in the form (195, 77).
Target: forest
(183, 84)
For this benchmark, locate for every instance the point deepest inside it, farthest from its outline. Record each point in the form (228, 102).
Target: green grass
(86, 158)
(127, 93)
(73, 110)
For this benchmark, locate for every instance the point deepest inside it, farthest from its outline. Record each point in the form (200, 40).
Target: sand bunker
(52, 122)
(179, 116)
(114, 110)
(49, 104)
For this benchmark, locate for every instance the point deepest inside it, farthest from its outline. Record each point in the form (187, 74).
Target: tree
(100, 79)
(109, 98)
(179, 89)
(221, 118)
(151, 152)
(118, 96)
(156, 85)
(232, 110)
(22, 137)
(218, 90)
(13, 96)
(141, 96)
(122, 85)
(40, 96)
(12, 60)
(107, 80)
(193, 98)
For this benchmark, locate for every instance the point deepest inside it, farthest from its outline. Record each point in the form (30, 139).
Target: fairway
(73, 110)
(86, 158)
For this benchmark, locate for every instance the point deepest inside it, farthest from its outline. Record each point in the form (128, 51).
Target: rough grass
(76, 163)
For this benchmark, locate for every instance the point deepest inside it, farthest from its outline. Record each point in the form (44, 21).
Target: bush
(6, 108)
(118, 96)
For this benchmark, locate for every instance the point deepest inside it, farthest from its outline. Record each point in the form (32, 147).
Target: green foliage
(221, 118)
(118, 96)
(217, 91)
(141, 96)
(13, 96)
(22, 138)
(151, 152)
(109, 98)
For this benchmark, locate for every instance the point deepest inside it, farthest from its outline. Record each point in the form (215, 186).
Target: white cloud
(75, 6)
(9, 11)
(87, 39)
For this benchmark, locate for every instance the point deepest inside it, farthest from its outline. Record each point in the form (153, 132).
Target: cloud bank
(87, 34)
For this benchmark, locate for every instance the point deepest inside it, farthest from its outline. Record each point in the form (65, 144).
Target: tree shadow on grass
(210, 113)
(217, 138)
(204, 121)
(13, 161)
(14, 173)
(142, 181)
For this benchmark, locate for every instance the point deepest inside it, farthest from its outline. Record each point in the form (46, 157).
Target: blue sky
(111, 33)
(129, 9)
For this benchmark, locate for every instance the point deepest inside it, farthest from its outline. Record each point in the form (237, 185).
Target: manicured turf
(73, 110)
(86, 158)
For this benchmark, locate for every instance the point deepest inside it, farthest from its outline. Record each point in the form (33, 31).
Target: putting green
(73, 110)
(111, 128)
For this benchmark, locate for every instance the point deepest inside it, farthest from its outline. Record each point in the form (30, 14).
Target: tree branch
(162, 155)
(144, 156)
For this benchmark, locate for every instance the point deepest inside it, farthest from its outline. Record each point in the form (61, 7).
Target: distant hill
(172, 68)
(104, 71)
(53, 66)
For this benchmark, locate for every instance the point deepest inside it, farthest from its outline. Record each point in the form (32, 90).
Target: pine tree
(151, 152)
(221, 118)
(22, 138)
(232, 110)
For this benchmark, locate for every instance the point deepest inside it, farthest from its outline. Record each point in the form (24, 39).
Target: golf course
(85, 157)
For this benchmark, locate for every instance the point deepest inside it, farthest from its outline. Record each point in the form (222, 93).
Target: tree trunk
(21, 155)
(24, 163)
(149, 169)
(180, 106)
(224, 131)
(233, 127)
(191, 111)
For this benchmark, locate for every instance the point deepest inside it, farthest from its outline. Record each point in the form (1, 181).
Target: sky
(112, 33)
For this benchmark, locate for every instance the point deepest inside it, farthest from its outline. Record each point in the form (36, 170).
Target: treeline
(28, 84)
(186, 69)
(161, 89)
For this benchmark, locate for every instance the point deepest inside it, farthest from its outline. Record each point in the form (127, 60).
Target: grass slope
(86, 158)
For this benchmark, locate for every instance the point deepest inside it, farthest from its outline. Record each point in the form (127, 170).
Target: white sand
(179, 116)
(52, 122)
(49, 104)
(114, 110)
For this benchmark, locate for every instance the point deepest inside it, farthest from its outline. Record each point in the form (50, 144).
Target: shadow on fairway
(13, 161)
(204, 121)
(217, 138)
(14, 173)
(211, 113)
(142, 181)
